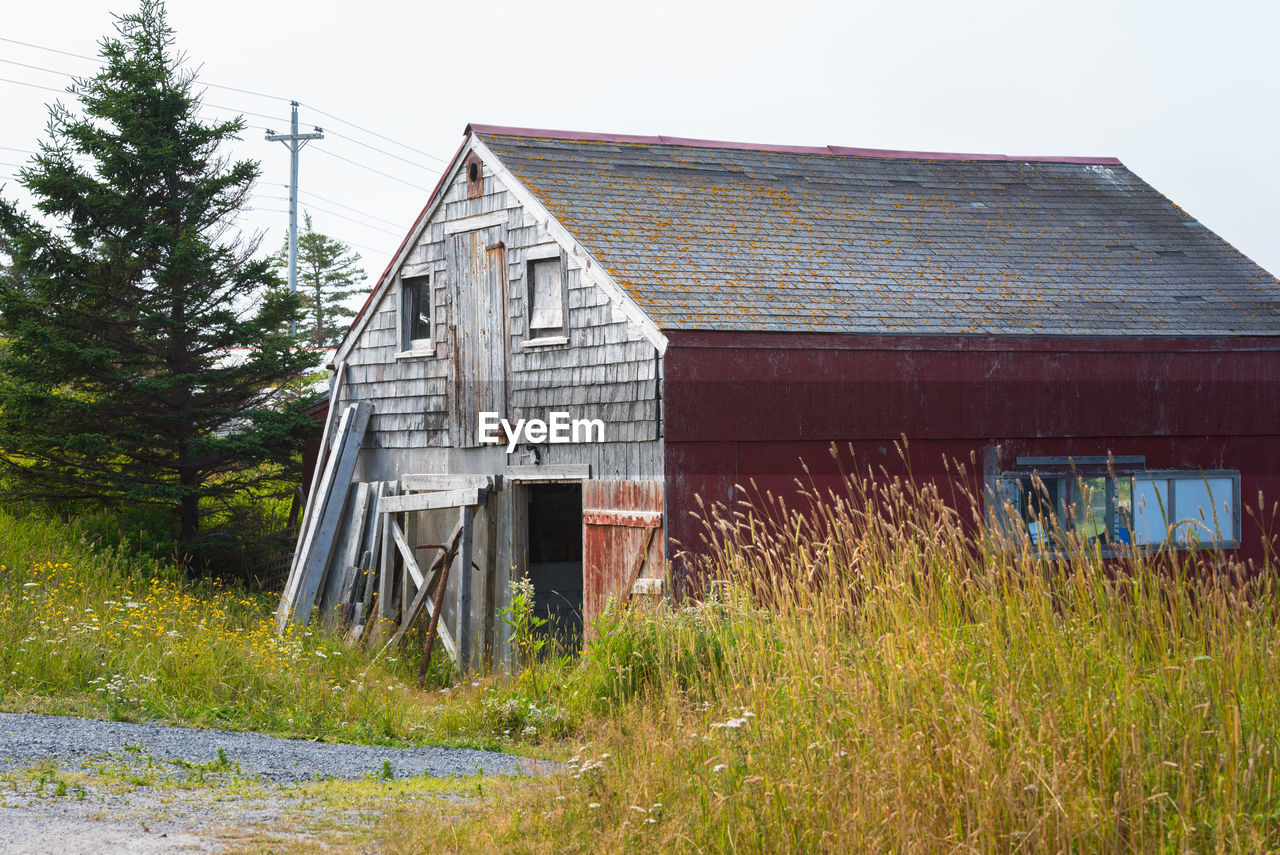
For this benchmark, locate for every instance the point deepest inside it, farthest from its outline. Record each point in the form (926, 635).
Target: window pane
(546, 310)
(1204, 510)
(1122, 524)
(1150, 504)
(1089, 507)
(417, 294)
(1042, 506)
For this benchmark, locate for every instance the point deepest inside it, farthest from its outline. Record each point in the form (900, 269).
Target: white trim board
(560, 472)
(479, 221)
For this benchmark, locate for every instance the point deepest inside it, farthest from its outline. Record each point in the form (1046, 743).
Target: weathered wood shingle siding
(608, 370)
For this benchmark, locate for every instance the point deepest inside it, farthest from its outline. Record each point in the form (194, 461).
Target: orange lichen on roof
(711, 238)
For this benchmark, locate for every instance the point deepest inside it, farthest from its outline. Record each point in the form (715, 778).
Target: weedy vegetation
(875, 671)
(106, 633)
(880, 672)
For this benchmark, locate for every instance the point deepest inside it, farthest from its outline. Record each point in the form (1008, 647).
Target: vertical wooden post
(465, 653)
(387, 570)
(406, 581)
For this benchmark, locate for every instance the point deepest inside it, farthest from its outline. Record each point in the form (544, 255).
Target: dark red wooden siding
(617, 519)
(749, 406)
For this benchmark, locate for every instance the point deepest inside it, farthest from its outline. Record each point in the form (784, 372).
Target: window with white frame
(1118, 502)
(415, 313)
(546, 307)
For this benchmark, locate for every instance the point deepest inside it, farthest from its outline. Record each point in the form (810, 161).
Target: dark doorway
(555, 559)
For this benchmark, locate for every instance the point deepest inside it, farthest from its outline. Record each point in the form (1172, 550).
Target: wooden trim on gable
(479, 221)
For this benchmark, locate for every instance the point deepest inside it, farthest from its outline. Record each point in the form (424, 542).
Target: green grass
(100, 632)
(878, 674)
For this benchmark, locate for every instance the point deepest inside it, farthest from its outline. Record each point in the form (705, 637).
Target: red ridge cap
(840, 151)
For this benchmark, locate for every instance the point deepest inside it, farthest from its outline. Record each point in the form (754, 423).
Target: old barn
(671, 318)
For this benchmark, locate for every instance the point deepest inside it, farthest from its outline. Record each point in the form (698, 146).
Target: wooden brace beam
(432, 501)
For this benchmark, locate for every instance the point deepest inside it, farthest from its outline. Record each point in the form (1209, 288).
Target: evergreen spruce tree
(147, 348)
(329, 274)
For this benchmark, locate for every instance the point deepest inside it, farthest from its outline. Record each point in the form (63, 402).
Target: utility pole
(294, 141)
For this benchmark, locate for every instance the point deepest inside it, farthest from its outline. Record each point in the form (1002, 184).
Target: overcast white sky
(1185, 93)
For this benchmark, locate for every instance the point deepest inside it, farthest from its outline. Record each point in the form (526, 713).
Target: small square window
(546, 298)
(416, 304)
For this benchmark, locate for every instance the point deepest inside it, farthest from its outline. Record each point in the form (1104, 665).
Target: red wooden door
(622, 540)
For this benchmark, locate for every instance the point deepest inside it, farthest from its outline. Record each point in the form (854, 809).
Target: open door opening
(555, 559)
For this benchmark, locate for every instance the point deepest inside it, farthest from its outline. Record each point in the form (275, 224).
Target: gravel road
(151, 818)
(27, 738)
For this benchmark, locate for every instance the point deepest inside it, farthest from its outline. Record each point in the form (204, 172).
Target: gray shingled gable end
(720, 238)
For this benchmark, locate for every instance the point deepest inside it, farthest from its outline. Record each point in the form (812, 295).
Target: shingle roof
(712, 236)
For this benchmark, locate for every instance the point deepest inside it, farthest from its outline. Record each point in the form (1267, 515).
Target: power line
(365, 248)
(256, 94)
(244, 91)
(377, 171)
(349, 208)
(384, 151)
(248, 113)
(351, 220)
(49, 49)
(36, 67)
(96, 59)
(376, 134)
(33, 85)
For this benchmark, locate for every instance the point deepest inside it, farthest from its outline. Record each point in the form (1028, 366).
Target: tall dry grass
(879, 672)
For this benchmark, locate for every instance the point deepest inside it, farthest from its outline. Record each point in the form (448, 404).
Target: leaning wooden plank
(420, 599)
(438, 574)
(375, 532)
(318, 561)
(467, 521)
(447, 553)
(356, 602)
(310, 522)
(420, 483)
(431, 501)
(308, 514)
(350, 565)
(359, 609)
(310, 526)
(331, 508)
(406, 552)
(387, 569)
